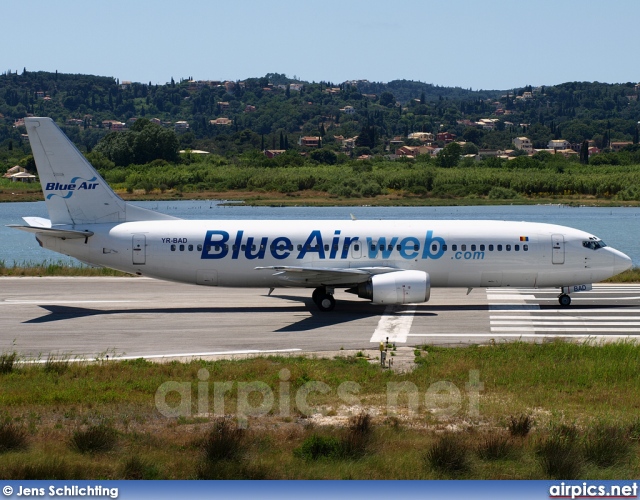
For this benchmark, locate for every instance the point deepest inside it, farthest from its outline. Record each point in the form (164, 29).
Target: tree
(584, 153)
(143, 143)
(449, 156)
(324, 156)
(387, 99)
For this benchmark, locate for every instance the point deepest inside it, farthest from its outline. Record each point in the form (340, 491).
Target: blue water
(619, 227)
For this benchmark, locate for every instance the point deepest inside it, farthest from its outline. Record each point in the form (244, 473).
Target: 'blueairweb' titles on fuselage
(219, 244)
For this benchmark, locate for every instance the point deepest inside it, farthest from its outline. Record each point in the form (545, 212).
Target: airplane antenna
(353, 217)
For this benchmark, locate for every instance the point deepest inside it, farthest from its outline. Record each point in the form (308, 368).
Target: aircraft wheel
(326, 302)
(317, 293)
(564, 300)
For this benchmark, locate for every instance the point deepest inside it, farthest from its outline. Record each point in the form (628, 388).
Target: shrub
(137, 468)
(559, 455)
(12, 437)
(355, 442)
(7, 360)
(500, 193)
(95, 439)
(316, 447)
(520, 426)
(448, 454)
(495, 446)
(606, 445)
(224, 441)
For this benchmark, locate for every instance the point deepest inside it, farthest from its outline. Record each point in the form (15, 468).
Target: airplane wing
(320, 276)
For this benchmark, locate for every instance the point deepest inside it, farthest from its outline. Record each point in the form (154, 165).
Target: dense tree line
(266, 111)
(272, 112)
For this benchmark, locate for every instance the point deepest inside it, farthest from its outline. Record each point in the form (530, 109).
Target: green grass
(630, 276)
(575, 393)
(55, 268)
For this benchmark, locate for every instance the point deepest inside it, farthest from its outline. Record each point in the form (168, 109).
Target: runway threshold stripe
(564, 318)
(560, 329)
(496, 308)
(567, 323)
(520, 335)
(395, 327)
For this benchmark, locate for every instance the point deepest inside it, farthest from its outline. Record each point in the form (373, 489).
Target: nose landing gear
(564, 299)
(323, 298)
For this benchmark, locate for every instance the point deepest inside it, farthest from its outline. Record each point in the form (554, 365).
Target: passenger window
(243, 247)
(390, 247)
(173, 248)
(491, 248)
(516, 248)
(326, 248)
(434, 248)
(508, 248)
(463, 248)
(199, 247)
(356, 247)
(482, 248)
(299, 247)
(499, 248)
(416, 247)
(473, 248)
(373, 247)
(253, 248)
(444, 248)
(381, 247)
(525, 248)
(191, 248)
(454, 247)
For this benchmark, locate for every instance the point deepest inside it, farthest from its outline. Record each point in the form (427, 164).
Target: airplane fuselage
(454, 253)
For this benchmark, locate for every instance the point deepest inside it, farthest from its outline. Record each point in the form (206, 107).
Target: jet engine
(398, 287)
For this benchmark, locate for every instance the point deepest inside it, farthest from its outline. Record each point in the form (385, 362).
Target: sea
(618, 227)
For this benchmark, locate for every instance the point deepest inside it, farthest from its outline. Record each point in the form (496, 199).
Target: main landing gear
(323, 298)
(564, 299)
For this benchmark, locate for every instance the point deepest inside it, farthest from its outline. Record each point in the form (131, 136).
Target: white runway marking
(531, 321)
(519, 335)
(395, 324)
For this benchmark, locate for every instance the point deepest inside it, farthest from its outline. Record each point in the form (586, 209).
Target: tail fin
(73, 190)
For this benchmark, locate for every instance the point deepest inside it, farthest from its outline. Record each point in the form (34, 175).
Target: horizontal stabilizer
(65, 234)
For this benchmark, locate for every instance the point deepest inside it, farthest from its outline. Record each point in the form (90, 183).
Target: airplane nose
(621, 262)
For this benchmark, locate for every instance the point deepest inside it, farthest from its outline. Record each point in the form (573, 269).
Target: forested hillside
(335, 140)
(273, 112)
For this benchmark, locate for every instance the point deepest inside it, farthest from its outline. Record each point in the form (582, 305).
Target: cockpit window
(594, 244)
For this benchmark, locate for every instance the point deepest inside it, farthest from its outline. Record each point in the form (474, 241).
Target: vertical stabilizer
(73, 190)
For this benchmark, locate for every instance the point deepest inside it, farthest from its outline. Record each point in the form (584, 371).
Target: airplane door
(139, 249)
(557, 248)
(356, 249)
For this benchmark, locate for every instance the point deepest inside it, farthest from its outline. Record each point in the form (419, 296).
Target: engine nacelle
(399, 287)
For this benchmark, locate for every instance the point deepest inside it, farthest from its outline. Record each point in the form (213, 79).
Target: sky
(479, 44)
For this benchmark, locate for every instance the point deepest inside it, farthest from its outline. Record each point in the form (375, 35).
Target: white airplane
(385, 261)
